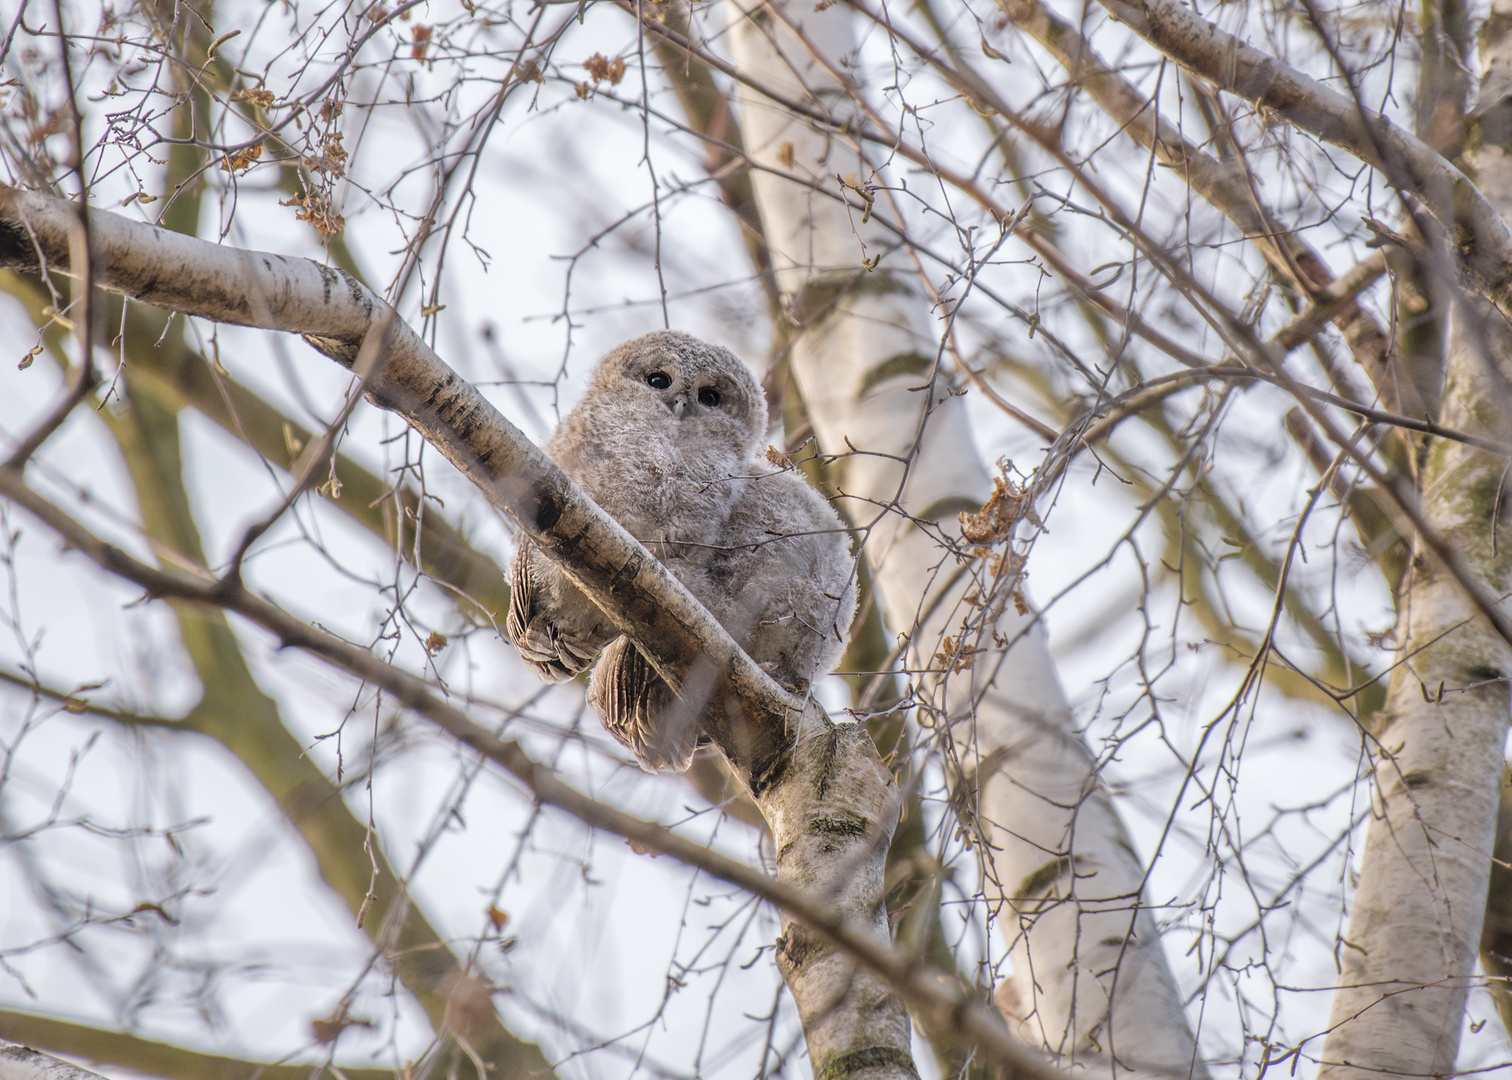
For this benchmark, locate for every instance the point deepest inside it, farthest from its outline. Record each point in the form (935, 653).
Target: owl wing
(556, 629)
(641, 711)
(786, 579)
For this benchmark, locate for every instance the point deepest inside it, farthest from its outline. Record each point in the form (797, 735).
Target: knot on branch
(865, 1059)
(799, 946)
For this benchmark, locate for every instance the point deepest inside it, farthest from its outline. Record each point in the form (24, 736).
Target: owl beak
(679, 403)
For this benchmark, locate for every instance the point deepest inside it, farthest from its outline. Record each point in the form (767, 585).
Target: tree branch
(335, 311)
(1229, 187)
(943, 999)
(149, 1056)
(1482, 237)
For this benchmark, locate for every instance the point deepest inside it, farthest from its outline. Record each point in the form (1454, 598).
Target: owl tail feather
(641, 711)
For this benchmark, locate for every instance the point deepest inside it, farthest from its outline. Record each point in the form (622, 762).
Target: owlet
(665, 440)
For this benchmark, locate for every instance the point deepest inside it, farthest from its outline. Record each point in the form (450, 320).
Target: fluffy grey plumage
(665, 440)
(782, 579)
(658, 459)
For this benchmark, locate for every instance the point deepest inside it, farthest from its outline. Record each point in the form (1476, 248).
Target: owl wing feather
(785, 578)
(552, 645)
(641, 711)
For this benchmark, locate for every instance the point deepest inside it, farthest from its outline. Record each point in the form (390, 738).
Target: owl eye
(708, 397)
(658, 380)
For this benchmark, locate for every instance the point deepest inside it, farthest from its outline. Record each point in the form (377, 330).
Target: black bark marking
(800, 946)
(624, 578)
(442, 386)
(839, 825)
(912, 364)
(838, 829)
(16, 250)
(827, 751)
(1040, 881)
(770, 765)
(548, 506)
(358, 292)
(327, 281)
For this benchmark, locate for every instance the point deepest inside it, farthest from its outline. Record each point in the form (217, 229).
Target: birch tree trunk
(1408, 961)
(831, 840)
(1090, 977)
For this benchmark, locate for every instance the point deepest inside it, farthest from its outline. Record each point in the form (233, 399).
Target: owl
(666, 441)
(665, 423)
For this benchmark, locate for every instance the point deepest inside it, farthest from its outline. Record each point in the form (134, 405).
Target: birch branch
(1481, 235)
(335, 311)
(24, 1063)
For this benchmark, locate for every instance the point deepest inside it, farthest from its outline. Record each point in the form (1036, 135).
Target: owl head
(707, 392)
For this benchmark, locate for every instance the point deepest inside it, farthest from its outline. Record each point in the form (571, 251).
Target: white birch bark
(831, 840)
(19, 1062)
(1408, 960)
(828, 799)
(1090, 977)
